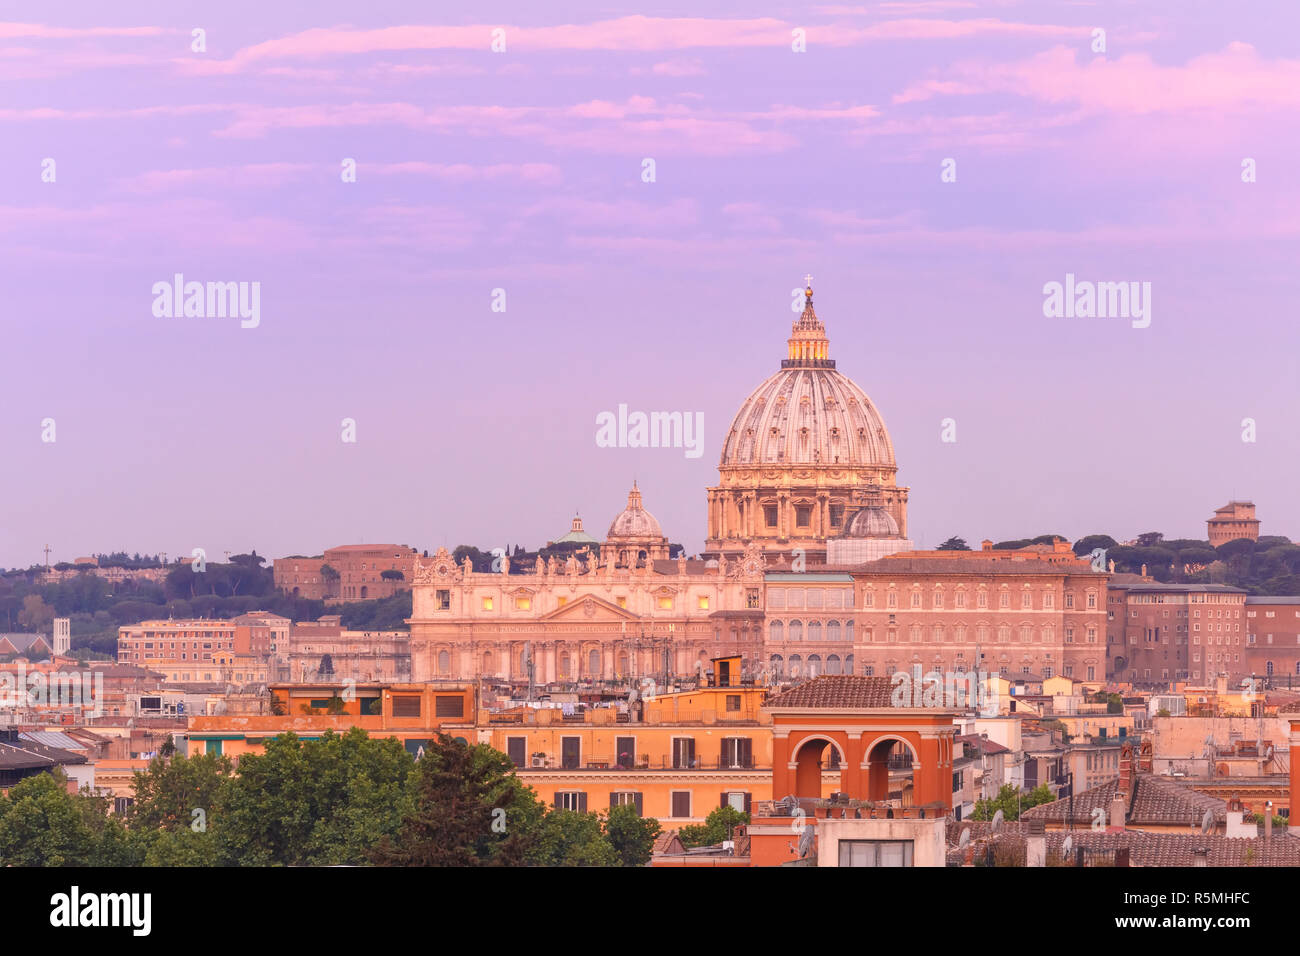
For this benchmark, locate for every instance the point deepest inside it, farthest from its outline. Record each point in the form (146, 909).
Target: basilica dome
(635, 521)
(806, 451)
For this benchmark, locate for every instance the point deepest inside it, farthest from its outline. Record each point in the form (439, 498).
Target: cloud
(1235, 77)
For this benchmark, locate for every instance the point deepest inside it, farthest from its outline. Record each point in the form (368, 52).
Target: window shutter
(746, 752)
(636, 797)
(690, 752)
(747, 802)
(723, 801)
(582, 802)
(557, 802)
(613, 799)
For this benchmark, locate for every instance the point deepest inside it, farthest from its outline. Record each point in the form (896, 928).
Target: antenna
(805, 842)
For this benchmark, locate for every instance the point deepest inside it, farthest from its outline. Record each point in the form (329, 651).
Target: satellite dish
(1066, 846)
(996, 825)
(964, 840)
(805, 842)
(1207, 821)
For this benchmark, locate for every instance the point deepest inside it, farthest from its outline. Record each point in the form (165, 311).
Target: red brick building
(1160, 633)
(360, 569)
(1272, 646)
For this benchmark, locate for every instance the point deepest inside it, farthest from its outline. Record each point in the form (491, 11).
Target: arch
(832, 630)
(848, 664)
(807, 759)
(876, 761)
(776, 631)
(833, 664)
(444, 662)
(796, 665)
(593, 663)
(796, 630)
(814, 630)
(777, 663)
(814, 665)
(364, 592)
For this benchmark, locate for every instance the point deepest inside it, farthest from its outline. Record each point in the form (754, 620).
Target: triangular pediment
(588, 607)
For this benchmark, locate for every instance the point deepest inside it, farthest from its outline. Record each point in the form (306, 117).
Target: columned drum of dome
(806, 451)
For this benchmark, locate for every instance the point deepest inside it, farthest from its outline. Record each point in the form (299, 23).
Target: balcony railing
(641, 763)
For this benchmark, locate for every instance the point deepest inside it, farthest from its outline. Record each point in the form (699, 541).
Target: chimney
(1221, 684)
(1036, 844)
(1268, 820)
(1200, 856)
(1118, 806)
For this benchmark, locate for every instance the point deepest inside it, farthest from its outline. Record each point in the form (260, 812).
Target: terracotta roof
(1154, 802)
(900, 563)
(837, 690)
(983, 743)
(1145, 849)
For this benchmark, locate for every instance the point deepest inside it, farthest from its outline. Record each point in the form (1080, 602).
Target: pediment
(589, 608)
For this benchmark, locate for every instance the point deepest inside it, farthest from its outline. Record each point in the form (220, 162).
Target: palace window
(803, 515)
(703, 603)
(487, 604)
(442, 599)
(769, 515)
(523, 602)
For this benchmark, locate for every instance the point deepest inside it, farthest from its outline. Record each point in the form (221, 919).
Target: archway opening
(890, 772)
(812, 757)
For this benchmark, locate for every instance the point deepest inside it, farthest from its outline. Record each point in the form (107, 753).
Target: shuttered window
(571, 800)
(449, 705)
(737, 752)
(622, 798)
(625, 752)
(681, 803)
(515, 749)
(406, 706)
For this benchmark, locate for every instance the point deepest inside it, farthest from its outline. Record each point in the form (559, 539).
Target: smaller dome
(635, 521)
(870, 522)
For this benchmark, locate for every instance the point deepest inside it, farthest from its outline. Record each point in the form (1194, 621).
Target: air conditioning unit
(539, 761)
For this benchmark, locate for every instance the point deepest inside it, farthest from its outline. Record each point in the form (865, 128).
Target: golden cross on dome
(807, 281)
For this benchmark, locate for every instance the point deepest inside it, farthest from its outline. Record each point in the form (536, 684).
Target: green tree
(169, 790)
(631, 835)
(1012, 802)
(36, 614)
(313, 802)
(1089, 542)
(570, 838)
(458, 811)
(717, 827)
(42, 824)
(954, 544)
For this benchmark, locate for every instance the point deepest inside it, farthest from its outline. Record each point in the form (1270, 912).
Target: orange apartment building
(676, 757)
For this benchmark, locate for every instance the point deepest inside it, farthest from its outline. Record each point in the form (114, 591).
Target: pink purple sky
(522, 170)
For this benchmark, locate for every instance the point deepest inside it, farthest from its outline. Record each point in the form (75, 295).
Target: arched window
(564, 664)
(814, 665)
(776, 631)
(796, 633)
(814, 630)
(778, 665)
(833, 664)
(848, 632)
(593, 664)
(936, 634)
(444, 662)
(848, 664)
(832, 630)
(622, 663)
(796, 665)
